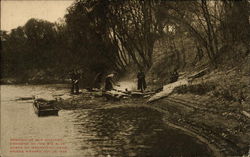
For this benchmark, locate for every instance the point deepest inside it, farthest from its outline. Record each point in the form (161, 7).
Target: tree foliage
(104, 35)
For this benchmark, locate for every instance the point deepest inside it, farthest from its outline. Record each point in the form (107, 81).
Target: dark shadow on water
(129, 132)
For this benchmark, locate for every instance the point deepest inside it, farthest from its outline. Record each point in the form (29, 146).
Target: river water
(113, 132)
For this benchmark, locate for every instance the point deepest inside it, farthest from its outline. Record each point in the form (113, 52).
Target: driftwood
(114, 95)
(25, 98)
(42, 100)
(117, 94)
(198, 74)
(246, 114)
(167, 90)
(137, 94)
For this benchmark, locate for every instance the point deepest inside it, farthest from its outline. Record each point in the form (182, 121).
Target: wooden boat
(44, 107)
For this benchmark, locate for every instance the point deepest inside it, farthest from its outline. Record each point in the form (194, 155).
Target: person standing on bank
(72, 76)
(98, 81)
(141, 82)
(174, 76)
(109, 82)
(75, 78)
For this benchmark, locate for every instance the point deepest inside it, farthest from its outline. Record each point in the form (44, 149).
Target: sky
(16, 13)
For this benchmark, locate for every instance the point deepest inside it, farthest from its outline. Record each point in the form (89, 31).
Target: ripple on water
(132, 132)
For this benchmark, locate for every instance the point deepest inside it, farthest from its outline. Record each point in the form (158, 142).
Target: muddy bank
(227, 129)
(215, 105)
(94, 100)
(227, 133)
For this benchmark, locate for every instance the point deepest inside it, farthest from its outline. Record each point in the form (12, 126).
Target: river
(113, 132)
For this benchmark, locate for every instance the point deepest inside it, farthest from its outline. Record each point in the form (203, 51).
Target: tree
(126, 30)
(87, 41)
(40, 37)
(203, 20)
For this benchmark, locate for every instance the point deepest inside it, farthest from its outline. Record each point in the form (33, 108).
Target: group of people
(141, 82)
(109, 83)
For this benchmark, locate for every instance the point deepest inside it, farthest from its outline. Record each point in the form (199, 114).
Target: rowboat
(44, 107)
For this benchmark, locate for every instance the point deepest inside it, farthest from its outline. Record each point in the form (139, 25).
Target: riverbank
(228, 130)
(211, 105)
(225, 131)
(214, 103)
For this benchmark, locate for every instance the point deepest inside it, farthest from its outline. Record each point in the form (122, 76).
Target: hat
(111, 75)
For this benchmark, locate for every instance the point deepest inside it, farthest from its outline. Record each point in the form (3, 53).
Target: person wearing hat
(109, 82)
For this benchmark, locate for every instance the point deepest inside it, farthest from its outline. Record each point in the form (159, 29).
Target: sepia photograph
(125, 78)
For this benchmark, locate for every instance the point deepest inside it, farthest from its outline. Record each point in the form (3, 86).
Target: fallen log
(137, 94)
(114, 95)
(246, 114)
(198, 74)
(167, 90)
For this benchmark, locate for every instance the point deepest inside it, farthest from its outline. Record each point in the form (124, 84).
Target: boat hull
(51, 111)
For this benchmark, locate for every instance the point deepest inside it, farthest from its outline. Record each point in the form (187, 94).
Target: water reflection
(131, 132)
